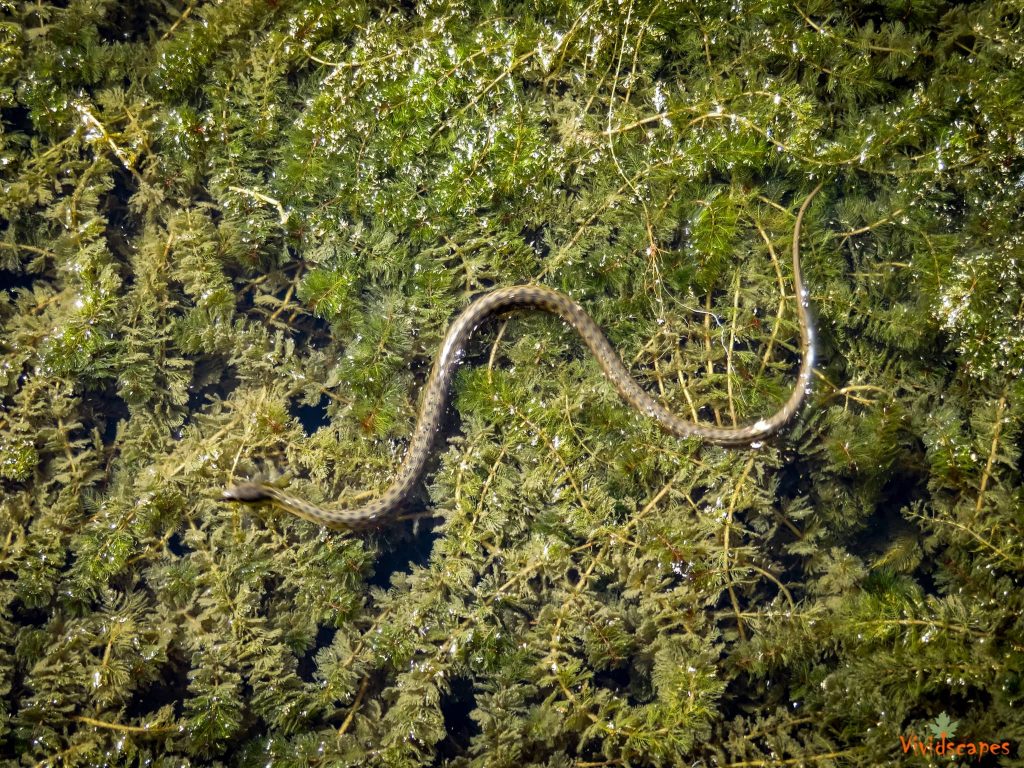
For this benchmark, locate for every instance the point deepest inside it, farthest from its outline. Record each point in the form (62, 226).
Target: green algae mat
(232, 236)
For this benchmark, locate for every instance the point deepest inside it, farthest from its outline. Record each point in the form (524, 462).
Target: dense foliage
(232, 234)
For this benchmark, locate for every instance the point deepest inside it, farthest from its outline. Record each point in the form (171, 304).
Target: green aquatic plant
(231, 237)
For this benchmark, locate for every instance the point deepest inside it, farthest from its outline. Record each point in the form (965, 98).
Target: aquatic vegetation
(232, 236)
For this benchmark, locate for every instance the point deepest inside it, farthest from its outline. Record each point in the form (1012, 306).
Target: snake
(528, 296)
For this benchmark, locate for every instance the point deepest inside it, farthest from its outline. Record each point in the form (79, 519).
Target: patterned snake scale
(546, 300)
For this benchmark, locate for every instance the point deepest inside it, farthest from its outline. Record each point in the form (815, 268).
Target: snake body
(556, 303)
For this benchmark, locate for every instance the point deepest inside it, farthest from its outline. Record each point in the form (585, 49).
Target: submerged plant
(232, 236)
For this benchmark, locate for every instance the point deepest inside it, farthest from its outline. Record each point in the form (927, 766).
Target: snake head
(246, 493)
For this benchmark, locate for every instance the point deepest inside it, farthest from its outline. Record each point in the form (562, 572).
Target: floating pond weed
(219, 217)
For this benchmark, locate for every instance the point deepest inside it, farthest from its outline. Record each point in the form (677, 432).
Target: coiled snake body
(547, 300)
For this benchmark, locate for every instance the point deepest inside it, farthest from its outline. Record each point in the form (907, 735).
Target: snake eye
(247, 493)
